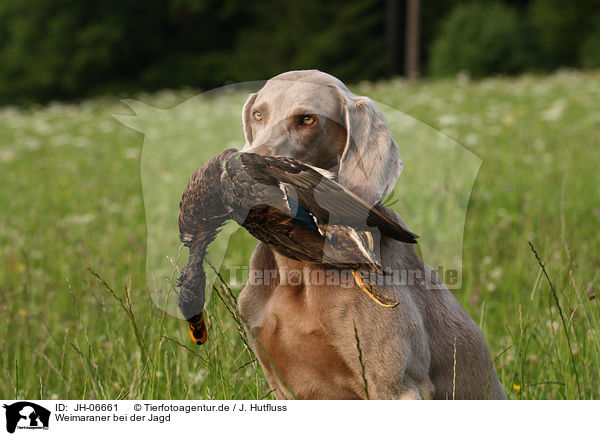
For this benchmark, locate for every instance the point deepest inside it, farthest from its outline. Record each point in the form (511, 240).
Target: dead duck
(296, 209)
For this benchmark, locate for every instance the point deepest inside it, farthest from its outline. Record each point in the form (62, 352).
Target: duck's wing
(285, 234)
(272, 212)
(349, 248)
(244, 190)
(338, 247)
(326, 199)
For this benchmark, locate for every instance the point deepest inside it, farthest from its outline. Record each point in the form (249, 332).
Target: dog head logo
(26, 415)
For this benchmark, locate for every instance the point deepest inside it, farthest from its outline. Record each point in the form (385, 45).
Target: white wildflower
(7, 156)
(496, 273)
(448, 120)
(554, 112)
(79, 219)
(472, 139)
(132, 153)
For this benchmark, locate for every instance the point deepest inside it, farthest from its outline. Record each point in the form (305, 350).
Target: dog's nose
(263, 149)
(268, 149)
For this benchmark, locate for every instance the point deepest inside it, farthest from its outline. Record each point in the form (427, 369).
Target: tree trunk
(412, 39)
(391, 34)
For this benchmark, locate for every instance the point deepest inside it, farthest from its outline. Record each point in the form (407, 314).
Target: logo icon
(26, 415)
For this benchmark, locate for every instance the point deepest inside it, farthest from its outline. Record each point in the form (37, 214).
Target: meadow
(77, 228)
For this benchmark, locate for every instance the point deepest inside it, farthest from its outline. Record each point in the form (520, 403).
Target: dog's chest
(300, 332)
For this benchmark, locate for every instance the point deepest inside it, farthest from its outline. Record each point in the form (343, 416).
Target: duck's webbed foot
(374, 294)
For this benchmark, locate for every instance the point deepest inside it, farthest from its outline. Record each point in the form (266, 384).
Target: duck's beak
(198, 331)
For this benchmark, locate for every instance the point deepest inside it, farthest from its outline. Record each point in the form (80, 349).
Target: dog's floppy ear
(370, 163)
(246, 118)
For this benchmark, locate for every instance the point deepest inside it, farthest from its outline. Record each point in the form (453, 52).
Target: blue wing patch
(301, 215)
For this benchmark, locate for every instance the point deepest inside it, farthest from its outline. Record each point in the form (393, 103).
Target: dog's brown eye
(307, 120)
(257, 115)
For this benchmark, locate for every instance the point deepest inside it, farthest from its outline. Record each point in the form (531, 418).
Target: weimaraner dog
(326, 341)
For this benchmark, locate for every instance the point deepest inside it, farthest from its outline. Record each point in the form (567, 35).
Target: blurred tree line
(61, 49)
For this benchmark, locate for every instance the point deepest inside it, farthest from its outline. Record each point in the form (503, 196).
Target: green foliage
(589, 53)
(60, 49)
(343, 38)
(64, 49)
(560, 28)
(481, 38)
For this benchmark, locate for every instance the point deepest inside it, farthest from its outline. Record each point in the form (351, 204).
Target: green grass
(76, 319)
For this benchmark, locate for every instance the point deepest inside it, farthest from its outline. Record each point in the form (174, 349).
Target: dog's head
(313, 117)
